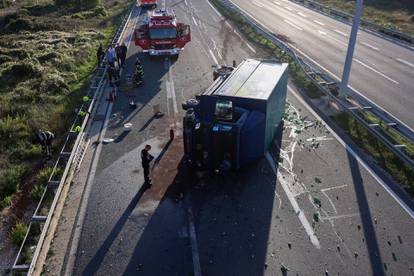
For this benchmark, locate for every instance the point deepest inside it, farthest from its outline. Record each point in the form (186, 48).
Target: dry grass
(398, 14)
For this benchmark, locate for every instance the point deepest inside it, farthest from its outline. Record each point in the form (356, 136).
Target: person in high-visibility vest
(139, 73)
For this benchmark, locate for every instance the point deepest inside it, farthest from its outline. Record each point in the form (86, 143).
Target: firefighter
(146, 159)
(139, 73)
(45, 139)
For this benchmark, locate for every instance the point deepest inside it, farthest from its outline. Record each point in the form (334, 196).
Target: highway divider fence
(68, 160)
(347, 17)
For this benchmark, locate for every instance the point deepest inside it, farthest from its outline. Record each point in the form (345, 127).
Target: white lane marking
(305, 223)
(229, 25)
(250, 47)
(319, 23)
(171, 88)
(332, 38)
(302, 14)
(277, 3)
(370, 46)
(353, 88)
(400, 202)
(340, 216)
(185, 1)
(376, 71)
(341, 33)
(258, 4)
(289, 8)
(293, 25)
(195, 22)
(334, 188)
(193, 241)
(405, 62)
(214, 9)
(213, 57)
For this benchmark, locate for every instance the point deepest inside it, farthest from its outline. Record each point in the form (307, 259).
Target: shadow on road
(367, 222)
(163, 248)
(93, 266)
(233, 215)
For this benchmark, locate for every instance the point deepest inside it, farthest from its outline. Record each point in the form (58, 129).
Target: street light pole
(351, 47)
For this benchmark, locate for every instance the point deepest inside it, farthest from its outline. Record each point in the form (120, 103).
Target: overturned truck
(236, 119)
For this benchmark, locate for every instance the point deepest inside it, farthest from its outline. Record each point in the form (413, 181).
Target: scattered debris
(284, 269)
(317, 201)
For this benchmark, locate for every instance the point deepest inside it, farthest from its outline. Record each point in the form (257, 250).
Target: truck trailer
(234, 121)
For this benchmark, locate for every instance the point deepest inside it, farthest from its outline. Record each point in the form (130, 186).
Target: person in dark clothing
(122, 54)
(118, 55)
(100, 54)
(146, 159)
(45, 139)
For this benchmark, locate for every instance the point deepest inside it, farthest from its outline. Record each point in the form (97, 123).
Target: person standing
(100, 54)
(111, 56)
(118, 55)
(146, 159)
(123, 53)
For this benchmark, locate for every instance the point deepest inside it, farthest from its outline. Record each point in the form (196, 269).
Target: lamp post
(351, 47)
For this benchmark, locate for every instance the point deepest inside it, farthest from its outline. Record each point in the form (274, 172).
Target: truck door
(184, 35)
(142, 39)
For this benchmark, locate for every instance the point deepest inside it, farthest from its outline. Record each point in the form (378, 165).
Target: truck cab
(160, 34)
(151, 4)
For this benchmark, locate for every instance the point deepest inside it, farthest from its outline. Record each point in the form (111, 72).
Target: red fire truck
(147, 3)
(160, 34)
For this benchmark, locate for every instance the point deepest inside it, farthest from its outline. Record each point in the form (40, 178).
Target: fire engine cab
(147, 3)
(160, 34)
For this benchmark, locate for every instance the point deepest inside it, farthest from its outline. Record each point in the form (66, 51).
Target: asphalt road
(382, 71)
(323, 213)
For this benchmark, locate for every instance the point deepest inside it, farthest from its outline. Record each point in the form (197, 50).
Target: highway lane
(382, 71)
(244, 223)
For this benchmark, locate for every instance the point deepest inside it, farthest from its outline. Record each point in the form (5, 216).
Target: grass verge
(396, 14)
(47, 54)
(383, 157)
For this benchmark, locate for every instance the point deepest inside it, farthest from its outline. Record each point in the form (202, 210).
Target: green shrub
(13, 129)
(43, 176)
(17, 233)
(37, 192)
(10, 179)
(6, 202)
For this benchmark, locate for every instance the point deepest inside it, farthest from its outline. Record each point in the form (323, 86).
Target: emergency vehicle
(148, 3)
(160, 34)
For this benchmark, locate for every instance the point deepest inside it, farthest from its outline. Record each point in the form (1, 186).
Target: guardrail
(348, 17)
(70, 152)
(330, 84)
